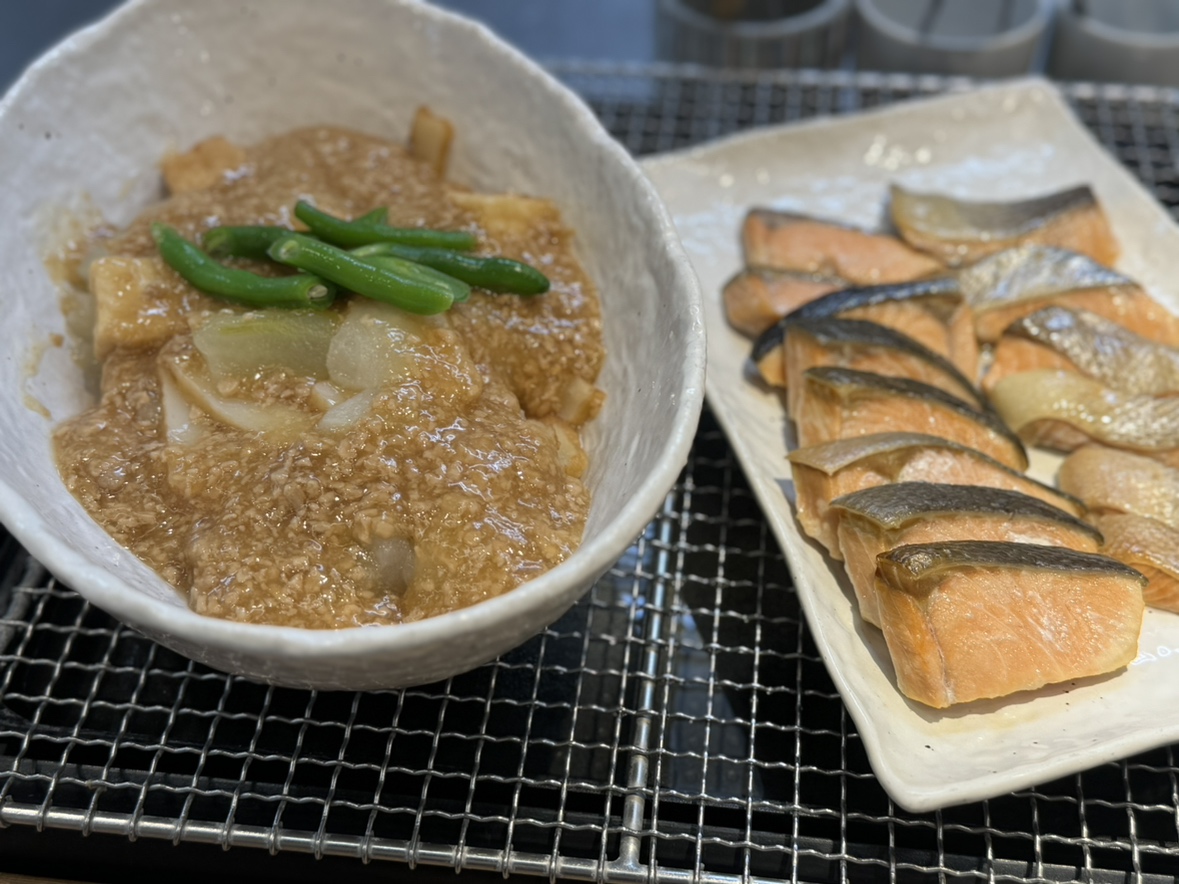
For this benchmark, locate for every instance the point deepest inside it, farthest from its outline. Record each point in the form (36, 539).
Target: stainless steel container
(976, 38)
(1123, 42)
(753, 33)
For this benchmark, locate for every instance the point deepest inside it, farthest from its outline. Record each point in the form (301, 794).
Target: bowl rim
(103, 588)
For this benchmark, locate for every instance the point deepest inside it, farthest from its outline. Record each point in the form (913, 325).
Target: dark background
(620, 30)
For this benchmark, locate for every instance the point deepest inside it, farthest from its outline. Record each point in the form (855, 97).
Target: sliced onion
(344, 415)
(396, 562)
(325, 394)
(179, 428)
(375, 346)
(239, 345)
(278, 422)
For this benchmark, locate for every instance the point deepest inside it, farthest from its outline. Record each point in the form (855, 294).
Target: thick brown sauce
(454, 463)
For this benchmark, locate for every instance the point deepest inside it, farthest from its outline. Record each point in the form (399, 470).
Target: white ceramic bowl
(88, 123)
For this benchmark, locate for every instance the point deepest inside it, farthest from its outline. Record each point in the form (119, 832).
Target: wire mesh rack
(676, 725)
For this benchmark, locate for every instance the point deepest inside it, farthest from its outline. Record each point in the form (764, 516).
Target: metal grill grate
(677, 725)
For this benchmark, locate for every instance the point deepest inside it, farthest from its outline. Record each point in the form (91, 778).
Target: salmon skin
(1112, 481)
(1077, 340)
(878, 519)
(1011, 284)
(855, 343)
(1149, 547)
(757, 297)
(842, 402)
(932, 312)
(788, 241)
(840, 302)
(832, 469)
(959, 231)
(898, 504)
(967, 620)
(1064, 410)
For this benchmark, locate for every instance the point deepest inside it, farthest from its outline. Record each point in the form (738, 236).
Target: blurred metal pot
(1122, 42)
(753, 33)
(976, 38)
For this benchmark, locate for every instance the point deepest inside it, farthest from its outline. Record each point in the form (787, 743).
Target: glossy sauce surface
(459, 481)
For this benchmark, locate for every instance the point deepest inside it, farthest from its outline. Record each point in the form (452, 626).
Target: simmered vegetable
(493, 274)
(238, 286)
(404, 284)
(418, 269)
(278, 423)
(242, 242)
(365, 230)
(252, 240)
(238, 345)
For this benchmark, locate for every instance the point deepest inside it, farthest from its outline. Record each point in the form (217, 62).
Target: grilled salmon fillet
(959, 231)
(832, 469)
(966, 620)
(788, 241)
(840, 403)
(878, 519)
(866, 346)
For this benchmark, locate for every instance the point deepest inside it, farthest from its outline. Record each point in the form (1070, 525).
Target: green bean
(238, 286)
(252, 240)
(378, 215)
(409, 286)
(242, 242)
(493, 274)
(363, 231)
(400, 266)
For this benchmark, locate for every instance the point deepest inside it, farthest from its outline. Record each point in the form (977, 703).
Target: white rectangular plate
(1010, 141)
